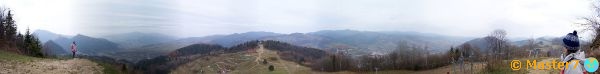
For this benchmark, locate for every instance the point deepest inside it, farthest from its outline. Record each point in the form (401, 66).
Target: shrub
(271, 68)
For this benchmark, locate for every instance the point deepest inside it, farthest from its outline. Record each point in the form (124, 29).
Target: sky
(195, 18)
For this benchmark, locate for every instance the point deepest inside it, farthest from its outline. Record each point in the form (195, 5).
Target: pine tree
(32, 45)
(11, 28)
(27, 42)
(36, 46)
(20, 41)
(9, 36)
(2, 23)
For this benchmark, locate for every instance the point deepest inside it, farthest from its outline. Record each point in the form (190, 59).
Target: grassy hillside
(245, 63)
(11, 63)
(8, 56)
(242, 63)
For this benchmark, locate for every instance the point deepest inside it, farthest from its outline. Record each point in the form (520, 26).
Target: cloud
(116, 16)
(187, 18)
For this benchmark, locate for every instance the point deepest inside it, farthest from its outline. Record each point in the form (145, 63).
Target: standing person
(73, 48)
(571, 48)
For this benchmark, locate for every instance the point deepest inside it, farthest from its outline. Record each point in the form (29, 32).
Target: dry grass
(18, 64)
(242, 63)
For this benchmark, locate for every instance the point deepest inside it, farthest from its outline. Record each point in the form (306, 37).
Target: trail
(261, 50)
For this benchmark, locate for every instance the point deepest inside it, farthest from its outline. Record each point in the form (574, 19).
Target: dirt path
(50, 66)
(259, 51)
(243, 63)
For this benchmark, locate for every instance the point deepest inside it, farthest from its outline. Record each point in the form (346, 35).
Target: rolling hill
(243, 62)
(242, 56)
(52, 49)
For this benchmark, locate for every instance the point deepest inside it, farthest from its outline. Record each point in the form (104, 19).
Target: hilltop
(239, 57)
(255, 61)
(11, 63)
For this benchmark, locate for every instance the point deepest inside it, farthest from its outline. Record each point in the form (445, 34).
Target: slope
(249, 62)
(18, 64)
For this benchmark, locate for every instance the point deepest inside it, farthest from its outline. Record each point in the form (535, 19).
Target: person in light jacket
(573, 54)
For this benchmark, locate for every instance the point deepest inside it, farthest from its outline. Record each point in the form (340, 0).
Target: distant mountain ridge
(50, 48)
(541, 42)
(44, 35)
(85, 45)
(94, 46)
(363, 41)
(137, 39)
(139, 45)
(238, 38)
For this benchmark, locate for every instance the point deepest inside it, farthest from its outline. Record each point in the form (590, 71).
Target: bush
(271, 68)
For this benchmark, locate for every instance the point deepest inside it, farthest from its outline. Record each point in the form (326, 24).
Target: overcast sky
(193, 18)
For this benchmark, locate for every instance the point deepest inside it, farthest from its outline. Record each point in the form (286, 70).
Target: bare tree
(592, 23)
(498, 46)
(530, 47)
(497, 43)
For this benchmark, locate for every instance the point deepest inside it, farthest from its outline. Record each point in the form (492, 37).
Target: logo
(556, 65)
(515, 64)
(591, 64)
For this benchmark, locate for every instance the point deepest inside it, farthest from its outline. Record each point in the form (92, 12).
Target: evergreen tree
(10, 27)
(2, 23)
(32, 45)
(27, 41)
(36, 46)
(9, 36)
(20, 41)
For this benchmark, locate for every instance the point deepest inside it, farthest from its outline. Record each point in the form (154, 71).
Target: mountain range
(137, 45)
(157, 53)
(138, 39)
